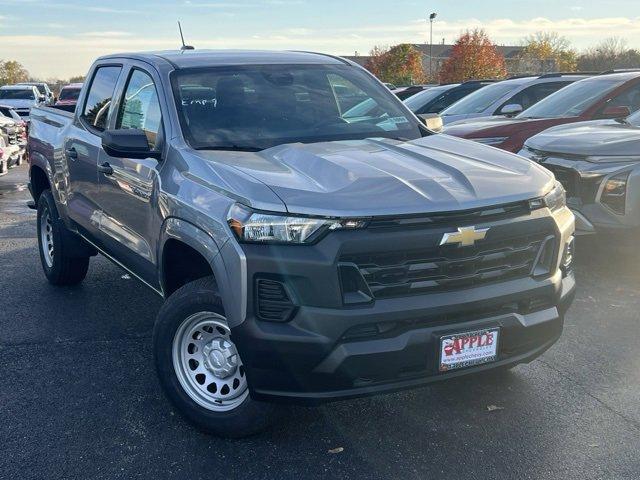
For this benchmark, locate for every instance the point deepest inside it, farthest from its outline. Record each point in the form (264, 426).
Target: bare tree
(609, 54)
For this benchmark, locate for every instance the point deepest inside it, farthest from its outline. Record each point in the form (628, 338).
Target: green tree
(12, 72)
(473, 56)
(400, 65)
(545, 52)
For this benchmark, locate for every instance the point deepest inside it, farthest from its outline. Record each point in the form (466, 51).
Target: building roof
(441, 51)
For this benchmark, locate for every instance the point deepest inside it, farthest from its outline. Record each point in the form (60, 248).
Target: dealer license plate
(468, 349)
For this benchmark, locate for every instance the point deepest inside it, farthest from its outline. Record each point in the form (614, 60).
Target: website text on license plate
(468, 349)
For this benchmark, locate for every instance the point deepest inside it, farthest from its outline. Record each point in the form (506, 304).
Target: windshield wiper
(623, 121)
(231, 148)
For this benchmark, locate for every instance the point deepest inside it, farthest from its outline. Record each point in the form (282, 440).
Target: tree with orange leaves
(474, 56)
(400, 65)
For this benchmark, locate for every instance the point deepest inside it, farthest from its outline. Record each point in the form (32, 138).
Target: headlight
(258, 227)
(614, 192)
(613, 159)
(490, 140)
(554, 200)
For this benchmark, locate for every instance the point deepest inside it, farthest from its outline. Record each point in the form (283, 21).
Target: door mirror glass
(616, 112)
(129, 143)
(511, 109)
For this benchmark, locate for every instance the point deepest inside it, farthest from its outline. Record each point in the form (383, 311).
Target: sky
(60, 38)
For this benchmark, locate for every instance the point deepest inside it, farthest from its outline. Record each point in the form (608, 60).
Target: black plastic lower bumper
(327, 354)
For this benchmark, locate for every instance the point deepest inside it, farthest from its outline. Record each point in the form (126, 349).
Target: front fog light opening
(614, 193)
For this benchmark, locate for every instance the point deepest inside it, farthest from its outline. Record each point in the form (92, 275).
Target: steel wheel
(46, 237)
(207, 363)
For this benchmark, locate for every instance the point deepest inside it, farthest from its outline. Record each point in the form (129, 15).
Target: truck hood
(376, 177)
(596, 138)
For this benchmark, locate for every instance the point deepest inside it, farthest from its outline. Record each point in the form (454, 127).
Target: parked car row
(13, 139)
(583, 128)
(16, 102)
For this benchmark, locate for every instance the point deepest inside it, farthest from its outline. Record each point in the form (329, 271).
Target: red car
(609, 95)
(69, 95)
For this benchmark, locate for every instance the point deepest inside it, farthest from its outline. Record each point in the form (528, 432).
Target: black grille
(449, 267)
(584, 189)
(273, 301)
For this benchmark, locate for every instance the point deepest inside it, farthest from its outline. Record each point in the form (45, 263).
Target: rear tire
(60, 259)
(199, 367)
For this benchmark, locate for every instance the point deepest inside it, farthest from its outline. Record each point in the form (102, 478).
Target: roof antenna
(184, 46)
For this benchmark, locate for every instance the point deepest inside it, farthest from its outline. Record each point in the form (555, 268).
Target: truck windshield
(260, 106)
(572, 100)
(16, 94)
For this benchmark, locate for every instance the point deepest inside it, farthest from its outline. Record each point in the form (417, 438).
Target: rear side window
(98, 104)
(533, 94)
(140, 107)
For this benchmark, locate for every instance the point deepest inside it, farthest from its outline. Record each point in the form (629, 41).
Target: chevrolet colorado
(306, 254)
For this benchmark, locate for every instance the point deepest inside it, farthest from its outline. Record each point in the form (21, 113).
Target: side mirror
(616, 112)
(432, 121)
(512, 109)
(131, 143)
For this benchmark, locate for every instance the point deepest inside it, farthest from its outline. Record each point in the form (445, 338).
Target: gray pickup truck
(305, 253)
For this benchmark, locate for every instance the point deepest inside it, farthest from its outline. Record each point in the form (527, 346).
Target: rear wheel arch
(39, 181)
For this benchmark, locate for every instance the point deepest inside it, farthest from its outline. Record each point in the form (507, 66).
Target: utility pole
(432, 17)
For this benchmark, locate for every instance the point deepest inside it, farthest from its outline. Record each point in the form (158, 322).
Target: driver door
(127, 194)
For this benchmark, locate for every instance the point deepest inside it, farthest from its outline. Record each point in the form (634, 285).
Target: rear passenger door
(83, 147)
(128, 200)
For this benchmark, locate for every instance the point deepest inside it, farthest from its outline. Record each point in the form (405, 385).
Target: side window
(140, 107)
(98, 104)
(446, 99)
(533, 94)
(629, 98)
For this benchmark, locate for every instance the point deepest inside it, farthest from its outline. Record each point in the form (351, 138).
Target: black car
(436, 99)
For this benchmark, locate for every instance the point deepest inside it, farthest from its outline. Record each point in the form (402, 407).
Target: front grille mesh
(448, 267)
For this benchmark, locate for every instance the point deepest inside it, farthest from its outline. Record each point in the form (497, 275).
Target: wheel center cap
(220, 357)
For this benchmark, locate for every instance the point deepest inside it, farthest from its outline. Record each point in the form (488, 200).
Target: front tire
(61, 264)
(199, 367)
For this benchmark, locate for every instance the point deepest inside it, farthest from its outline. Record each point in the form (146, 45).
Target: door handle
(105, 168)
(71, 153)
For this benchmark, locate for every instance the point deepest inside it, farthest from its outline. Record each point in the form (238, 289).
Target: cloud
(47, 55)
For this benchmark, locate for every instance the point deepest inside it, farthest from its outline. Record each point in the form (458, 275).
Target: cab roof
(207, 58)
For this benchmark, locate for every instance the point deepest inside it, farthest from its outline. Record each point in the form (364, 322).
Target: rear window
(17, 94)
(69, 94)
(98, 104)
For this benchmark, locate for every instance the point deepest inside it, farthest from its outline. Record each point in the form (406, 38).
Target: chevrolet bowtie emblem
(464, 237)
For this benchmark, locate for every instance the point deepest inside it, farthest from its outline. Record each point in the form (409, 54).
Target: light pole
(432, 17)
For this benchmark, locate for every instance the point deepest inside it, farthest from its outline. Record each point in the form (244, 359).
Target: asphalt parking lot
(79, 397)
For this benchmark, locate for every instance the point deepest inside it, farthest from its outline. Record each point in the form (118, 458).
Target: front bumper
(330, 351)
(309, 361)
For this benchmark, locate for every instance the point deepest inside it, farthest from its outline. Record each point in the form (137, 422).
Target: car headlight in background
(490, 140)
(614, 192)
(554, 200)
(258, 227)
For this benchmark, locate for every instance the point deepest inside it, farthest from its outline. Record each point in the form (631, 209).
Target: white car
(508, 97)
(21, 98)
